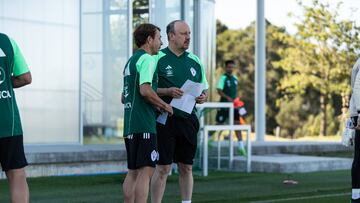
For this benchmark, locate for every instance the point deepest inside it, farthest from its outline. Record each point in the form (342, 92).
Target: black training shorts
(141, 149)
(177, 140)
(12, 154)
(222, 115)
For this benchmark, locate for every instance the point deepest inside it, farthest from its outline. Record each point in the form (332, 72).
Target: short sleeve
(146, 67)
(20, 66)
(221, 83)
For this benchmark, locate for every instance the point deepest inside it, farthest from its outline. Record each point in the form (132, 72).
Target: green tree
(239, 45)
(319, 57)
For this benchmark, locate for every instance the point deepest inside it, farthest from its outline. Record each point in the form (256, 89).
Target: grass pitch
(218, 187)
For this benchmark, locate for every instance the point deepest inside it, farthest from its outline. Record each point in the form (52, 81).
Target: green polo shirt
(173, 71)
(12, 63)
(139, 114)
(228, 84)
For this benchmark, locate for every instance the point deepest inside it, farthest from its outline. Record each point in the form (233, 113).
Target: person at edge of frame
(14, 73)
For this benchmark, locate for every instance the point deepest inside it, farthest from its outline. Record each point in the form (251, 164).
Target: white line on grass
(303, 198)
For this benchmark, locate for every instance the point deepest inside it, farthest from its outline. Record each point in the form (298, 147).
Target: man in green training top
(140, 101)
(227, 89)
(14, 73)
(177, 139)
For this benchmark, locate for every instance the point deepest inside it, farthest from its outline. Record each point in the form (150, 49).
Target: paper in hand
(162, 118)
(187, 101)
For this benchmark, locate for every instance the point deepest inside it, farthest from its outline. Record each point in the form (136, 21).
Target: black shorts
(12, 154)
(223, 114)
(177, 140)
(141, 149)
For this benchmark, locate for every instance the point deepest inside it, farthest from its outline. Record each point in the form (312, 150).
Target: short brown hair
(143, 31)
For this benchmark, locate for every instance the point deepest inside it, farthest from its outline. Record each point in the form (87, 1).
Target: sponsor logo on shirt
(228, 83)
(169, 71)
(2, 75)
(127, 105)
(127, 70)
(5, 94)
(193, 71)
(236, 82)
(2, 54)
(126, 91)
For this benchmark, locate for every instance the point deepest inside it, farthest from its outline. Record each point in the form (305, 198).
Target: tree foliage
(307, 74)
(319, 57)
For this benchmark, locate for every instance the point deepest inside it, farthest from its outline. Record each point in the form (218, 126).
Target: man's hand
(169, 109)
(202, 98)
(174, 92)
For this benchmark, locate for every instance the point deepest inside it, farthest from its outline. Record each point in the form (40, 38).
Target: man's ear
(149, 39)
(171, 35)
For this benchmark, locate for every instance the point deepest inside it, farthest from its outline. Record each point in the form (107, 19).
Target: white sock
(186, 201)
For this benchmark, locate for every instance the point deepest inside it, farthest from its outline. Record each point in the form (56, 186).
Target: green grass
(219, 187)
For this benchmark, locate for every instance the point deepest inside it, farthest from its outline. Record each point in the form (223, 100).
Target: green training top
(228, 84)
(173, 71)
(139, 114)
(12, 63)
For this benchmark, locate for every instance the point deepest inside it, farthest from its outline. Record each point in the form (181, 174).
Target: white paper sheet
(162, 118)
(187, 101)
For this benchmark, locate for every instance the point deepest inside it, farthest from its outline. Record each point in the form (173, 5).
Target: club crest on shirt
(193, 71)
(169, 71)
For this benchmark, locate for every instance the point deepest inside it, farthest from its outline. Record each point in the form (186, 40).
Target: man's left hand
(202, 98)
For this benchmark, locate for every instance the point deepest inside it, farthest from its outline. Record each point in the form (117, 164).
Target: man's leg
(186, 181)
(142, 184)
(158, 182)
(19, 190)
(129, 186)
(355, 175)
(241, 147)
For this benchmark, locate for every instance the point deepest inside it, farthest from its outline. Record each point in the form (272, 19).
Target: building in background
(76, 50)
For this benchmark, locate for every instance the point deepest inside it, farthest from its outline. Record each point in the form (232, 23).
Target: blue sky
(239, 13)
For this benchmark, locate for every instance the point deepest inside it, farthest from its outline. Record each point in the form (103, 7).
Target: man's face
(155, 43)
(181, 37)
(229, 68)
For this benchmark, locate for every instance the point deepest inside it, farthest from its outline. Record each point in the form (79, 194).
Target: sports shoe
(242, 151)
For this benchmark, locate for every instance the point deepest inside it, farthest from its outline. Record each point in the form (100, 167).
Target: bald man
(177, 139)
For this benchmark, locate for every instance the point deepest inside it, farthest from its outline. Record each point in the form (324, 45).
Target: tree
(319, 57)
(239, 45)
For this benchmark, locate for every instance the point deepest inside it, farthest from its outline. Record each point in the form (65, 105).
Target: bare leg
(186, 181)
(19, 190)
(129, 186)
(142, 184)
(158, 182)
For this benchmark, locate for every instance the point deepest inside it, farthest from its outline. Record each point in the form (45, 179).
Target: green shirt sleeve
(221, 83)
(20, 65)
(146, 66)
